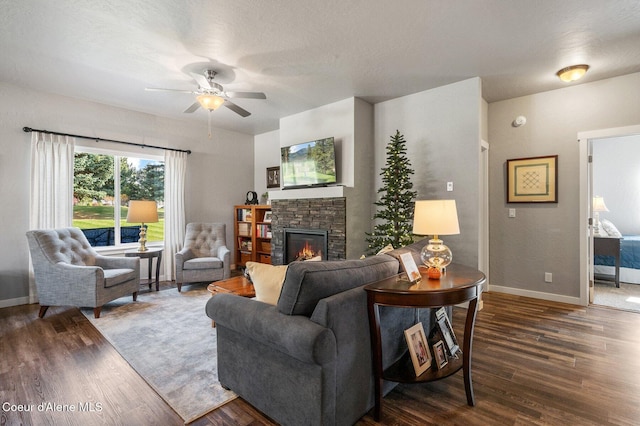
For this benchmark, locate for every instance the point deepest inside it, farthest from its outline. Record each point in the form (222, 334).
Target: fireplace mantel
(305, 193)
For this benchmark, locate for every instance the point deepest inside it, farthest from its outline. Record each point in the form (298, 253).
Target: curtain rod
(29, 129)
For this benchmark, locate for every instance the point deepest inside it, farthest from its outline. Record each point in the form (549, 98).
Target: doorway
(597, 177)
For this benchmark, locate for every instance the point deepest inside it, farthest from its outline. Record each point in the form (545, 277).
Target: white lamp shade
(435, 217)
(142, 211)
(599, 205)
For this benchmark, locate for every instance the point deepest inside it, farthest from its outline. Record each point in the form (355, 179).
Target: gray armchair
(204, 256)
(69, 272)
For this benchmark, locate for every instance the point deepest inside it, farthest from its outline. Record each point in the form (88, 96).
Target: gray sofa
(307, 361)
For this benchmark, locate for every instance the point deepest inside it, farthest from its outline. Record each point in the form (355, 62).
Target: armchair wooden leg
(179, 287)
(96, 312)
(135, 296)
(43, 310)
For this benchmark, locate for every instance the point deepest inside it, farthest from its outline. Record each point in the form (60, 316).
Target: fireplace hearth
(305, 244)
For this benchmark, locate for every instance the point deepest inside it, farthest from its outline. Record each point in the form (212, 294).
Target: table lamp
(598, 206)
(435, 217)
(142, 212)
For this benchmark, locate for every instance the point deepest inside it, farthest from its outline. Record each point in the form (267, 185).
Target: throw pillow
(385, 249)
(611, 229)
(267, 280)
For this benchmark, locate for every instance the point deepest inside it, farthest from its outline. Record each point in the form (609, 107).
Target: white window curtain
(175, 170)
(51, 192)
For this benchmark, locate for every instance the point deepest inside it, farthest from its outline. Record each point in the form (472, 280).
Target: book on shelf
(244, 229)
(244, 215)
(263, 231)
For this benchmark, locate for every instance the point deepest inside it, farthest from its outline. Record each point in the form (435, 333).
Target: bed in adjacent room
(629, 256)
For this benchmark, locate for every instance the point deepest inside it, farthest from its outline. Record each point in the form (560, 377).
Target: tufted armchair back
(204, 239)
(65, 245)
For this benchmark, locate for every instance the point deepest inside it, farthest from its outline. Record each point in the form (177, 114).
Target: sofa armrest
(294, 335)
(112, 262)
(182, 256)
(224, 254)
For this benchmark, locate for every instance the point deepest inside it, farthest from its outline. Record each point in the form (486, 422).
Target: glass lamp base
(436, 255)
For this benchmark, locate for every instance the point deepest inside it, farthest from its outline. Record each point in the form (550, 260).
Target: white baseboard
(536, 294)
(14, 302)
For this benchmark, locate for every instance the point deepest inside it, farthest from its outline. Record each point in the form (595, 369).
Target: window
(104, 182)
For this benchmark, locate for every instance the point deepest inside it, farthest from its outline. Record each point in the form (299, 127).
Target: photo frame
(532, 180)
(273, 177)
(446, 331)
(410, 267)
(267, 216)
(418, 348)
(440, 354)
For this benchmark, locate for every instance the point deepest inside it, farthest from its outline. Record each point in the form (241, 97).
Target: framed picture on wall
(273, 177)
(532, 180)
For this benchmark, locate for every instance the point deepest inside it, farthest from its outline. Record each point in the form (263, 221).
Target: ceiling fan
(211, 95)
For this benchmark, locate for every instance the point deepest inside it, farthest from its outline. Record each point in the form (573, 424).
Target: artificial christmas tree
(396, 202)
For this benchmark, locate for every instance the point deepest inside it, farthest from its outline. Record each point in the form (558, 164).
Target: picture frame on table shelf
(418, 348)
(447, 333)
(440, 354)
(410, 267)
(273, 177)
(267, 216)
(532, 180)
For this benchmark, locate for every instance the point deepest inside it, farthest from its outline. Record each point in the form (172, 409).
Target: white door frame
(586, 237)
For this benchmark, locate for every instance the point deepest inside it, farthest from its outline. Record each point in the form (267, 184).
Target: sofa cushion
(203, 263)
(308, 282)
(267, 280)
(114, 277)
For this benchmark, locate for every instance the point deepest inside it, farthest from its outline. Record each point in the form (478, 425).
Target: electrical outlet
(548, 277)
(512, 212)
(449, 186)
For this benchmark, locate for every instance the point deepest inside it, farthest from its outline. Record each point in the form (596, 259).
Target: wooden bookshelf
(252, 234)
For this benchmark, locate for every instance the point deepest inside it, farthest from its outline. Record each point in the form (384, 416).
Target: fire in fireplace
(305, 244)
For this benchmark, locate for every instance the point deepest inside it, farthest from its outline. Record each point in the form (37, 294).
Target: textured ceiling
(303, 54)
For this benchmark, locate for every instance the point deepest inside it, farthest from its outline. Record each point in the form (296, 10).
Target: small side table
(458, 285)
(149, 254)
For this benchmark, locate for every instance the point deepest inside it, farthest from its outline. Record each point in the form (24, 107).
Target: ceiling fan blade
(193, 107)
(247, 95)
(235, 108)
(157, 89)
(201, 80)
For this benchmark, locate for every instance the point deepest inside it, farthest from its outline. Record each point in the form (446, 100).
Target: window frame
(119, 247)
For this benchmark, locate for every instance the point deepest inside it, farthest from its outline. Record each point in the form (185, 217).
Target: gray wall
(216, 178)
(545, 238)
(442, 129)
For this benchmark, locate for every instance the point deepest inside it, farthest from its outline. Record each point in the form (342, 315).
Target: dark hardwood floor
(534, 362)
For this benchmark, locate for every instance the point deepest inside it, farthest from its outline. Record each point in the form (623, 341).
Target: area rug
(167, 338)
(626, 297)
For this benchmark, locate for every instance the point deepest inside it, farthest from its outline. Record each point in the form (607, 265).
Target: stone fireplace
(326, 215)
(304, 244)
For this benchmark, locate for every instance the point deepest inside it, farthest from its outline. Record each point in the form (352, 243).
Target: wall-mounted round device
(520, 120)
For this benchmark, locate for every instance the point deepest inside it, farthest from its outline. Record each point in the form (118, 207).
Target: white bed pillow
(610, 228)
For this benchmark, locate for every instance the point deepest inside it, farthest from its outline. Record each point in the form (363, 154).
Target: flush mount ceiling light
(572, 73)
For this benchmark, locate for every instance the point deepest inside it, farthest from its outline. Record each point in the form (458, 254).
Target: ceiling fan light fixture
(572, 73)
(210, 102)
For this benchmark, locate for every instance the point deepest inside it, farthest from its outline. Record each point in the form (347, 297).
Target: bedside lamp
(142, 212)
(436, 217)
(598, 206)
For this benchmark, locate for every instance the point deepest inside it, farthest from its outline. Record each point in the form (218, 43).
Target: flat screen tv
(308, 164)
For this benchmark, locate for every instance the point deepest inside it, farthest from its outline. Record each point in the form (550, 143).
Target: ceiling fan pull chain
(209, 119)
